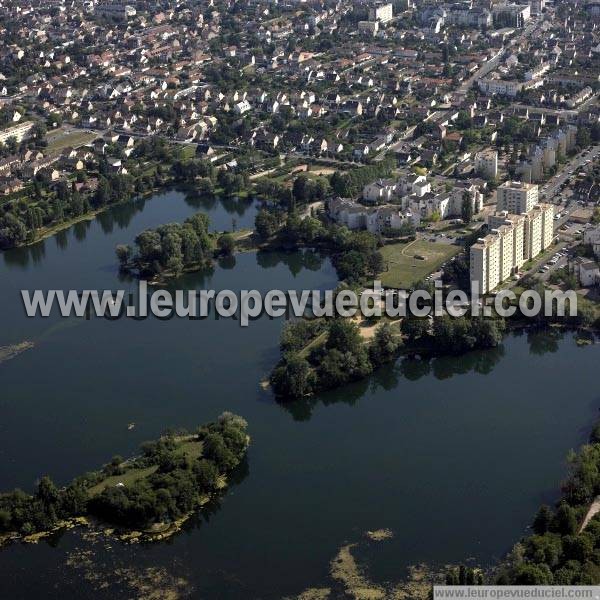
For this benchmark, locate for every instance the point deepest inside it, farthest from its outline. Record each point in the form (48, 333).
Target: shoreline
(52, 230)
(158, 532)
(428, 352)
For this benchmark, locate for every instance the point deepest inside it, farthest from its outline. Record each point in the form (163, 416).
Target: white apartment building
(368, 27)
(486, 163)
(503, 87)
(116, 11)
(592, 237)
(516, 197)
(485, 262)
(18, 132)
(514, 239)
(374, 219)
(511, 15)
(380, 191)
(382, 13)
(539, 229)
(517, 224)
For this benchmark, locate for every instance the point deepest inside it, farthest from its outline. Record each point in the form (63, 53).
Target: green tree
(542, 520)
(266, 224)
(385, 345)
(294, 378)
(226, 244)
(467, 207)
(123, 253)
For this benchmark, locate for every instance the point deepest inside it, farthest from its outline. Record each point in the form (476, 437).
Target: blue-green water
(453, 455)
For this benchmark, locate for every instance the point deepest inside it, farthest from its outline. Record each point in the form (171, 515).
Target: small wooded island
(169, 250)
(149, 496)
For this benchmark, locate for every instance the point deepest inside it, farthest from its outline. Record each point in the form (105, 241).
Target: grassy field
(58, 140)
(403, 269)
(191, 449)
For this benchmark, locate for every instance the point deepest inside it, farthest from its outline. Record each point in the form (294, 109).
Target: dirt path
(593, 510)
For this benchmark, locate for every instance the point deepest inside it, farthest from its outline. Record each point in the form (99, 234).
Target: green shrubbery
(172, 247)
(343, 357)
(174, 488)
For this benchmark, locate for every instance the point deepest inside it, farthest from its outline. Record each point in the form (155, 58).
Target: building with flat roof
(381, 12)
(486, 163)
(516, 197)
(115, 11)
(18, 132)
(513, 240)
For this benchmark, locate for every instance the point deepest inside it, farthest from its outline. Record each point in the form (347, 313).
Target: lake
(453, 455)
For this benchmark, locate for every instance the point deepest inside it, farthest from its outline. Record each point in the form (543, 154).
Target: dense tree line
(172, 247)
(446, 334)
(343, 357)
(20, 219)
(350, 184)
(172, 490)
(355, 254)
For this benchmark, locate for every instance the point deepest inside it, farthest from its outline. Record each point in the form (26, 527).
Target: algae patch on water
(379, 535)
(150, 583)
(349, 579)
(8, 352)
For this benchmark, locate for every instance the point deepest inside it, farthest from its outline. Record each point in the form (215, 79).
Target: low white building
(380, 191)
(587, 271)
(592, 237)
(242, 107)
(374, 219)
(18, 132)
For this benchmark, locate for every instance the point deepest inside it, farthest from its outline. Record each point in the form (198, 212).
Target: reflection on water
(388, 377)
(226, 214)
(227, 262)
(413, 368)
(544, 341)
(311, 260)
(233, 205)
(80, 229)
(121, 216)
(61, 238)
(23, 257)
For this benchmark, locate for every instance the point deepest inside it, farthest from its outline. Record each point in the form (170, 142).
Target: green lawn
(403, 269)
(57, 141)
(190, 448)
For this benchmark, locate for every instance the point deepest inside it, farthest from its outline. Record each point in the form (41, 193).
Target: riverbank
(47, 232)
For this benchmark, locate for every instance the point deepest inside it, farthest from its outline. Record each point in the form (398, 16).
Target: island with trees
(146, 497)
(169, 250)
(321, 354)
(325, 353)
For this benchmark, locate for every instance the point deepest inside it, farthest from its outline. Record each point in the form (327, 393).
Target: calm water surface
(453, 455)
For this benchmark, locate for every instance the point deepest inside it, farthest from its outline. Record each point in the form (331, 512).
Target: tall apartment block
(513, 238)
(516, 197)
(382, 12)
(486, 163)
